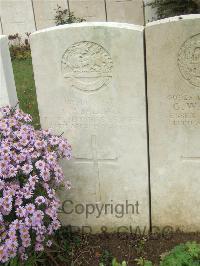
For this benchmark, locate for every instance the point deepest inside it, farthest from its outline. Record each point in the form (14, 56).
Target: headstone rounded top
(189, 60)
(173, 19)
(90, 24)
(87, 65)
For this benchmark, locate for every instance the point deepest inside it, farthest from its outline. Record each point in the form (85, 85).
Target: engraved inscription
(87, 66)
(184, 109)
(82, 113)
(96, 160)
(92, 122)
(189, 60)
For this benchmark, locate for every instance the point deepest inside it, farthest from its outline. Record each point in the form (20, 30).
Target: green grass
(24, 80)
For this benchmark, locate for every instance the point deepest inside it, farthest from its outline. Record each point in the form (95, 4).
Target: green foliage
(184, 254)
(25, 85)
(170, 8)
(143, 262)
(13, 262)
(19, 48)
(34, 260)
(114, 263)
(140, 245)
(64, 16)
(106, 258)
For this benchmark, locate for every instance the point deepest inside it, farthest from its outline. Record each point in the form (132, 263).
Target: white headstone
(90, 85)
(17, 16)
(173, 68)
(45, 12)
(128, 11)
(8, 94)
(90, 10)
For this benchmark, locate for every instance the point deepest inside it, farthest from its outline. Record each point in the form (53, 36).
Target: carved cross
(95, 160)
(190, 158)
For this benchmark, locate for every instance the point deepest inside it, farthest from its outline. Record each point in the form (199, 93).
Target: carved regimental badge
(87, 66)
(189, 60)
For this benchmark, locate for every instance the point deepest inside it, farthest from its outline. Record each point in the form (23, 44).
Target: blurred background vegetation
(170, 8)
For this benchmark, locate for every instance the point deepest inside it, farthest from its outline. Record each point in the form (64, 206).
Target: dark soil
(93, 249)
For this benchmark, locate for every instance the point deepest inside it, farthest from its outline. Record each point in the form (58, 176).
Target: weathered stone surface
(8, 94)
(129, 11)
(90, 85)
(45, 12)
(90, 10)
(173, 67)
(17, 16)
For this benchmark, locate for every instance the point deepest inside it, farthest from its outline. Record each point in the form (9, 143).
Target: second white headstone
(173, 67)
